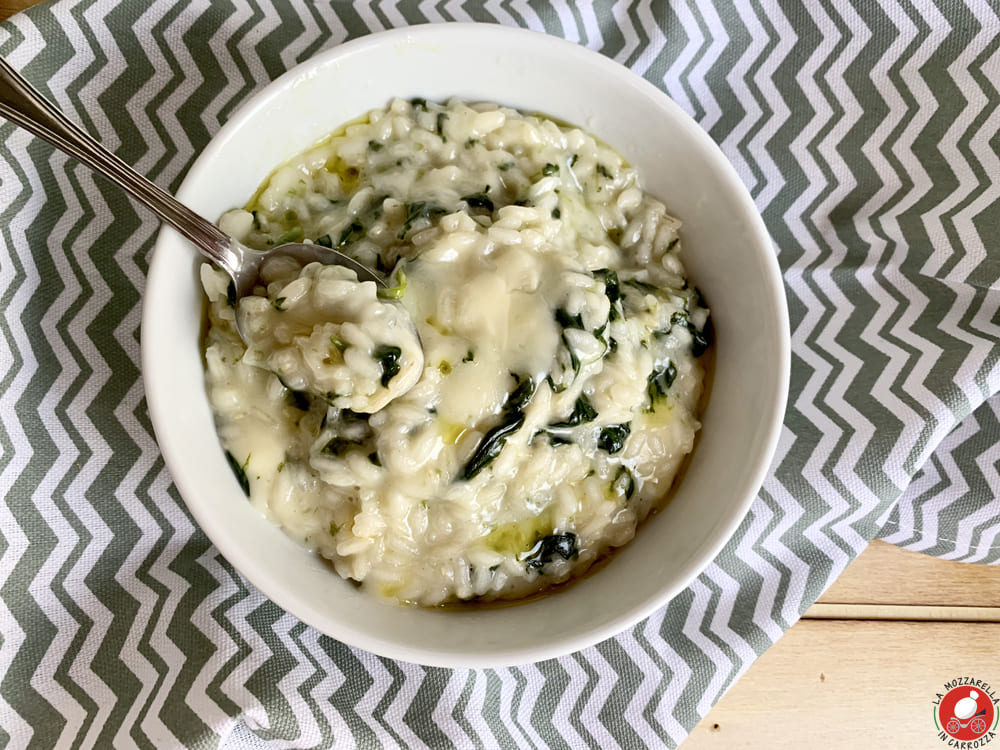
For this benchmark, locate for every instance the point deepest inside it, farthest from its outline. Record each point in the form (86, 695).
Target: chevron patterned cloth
(868, 136)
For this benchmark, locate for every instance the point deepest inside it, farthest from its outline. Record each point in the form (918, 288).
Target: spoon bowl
(245, 264)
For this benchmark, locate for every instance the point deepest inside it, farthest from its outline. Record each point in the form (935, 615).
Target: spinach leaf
(479, 200)
(240, 472)
(643, 286)
(354, 232)
(613, 290)
(583, 411)
(564, 319)
(699, 339)
(388, 357)
(659, 382)
(623, 483)
(556, 387)
(554, 438)
(548, 547)
(520, 396)
(416, 212)
(394, 292)
(492, 444)
(568, 362)
(511, 421)
(612, 438)
(339, 445)
(612, 286)
(351, 431)
(299, 399)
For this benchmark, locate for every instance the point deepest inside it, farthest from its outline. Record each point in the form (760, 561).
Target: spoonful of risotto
(320, 320)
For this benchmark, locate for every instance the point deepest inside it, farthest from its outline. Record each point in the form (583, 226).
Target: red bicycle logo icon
(966, 713)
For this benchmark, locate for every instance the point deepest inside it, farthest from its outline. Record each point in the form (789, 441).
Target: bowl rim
(239, 557)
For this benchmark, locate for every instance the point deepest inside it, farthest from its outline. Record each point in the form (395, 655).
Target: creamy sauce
(558, 391)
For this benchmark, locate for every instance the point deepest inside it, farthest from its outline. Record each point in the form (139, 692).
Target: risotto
(550, 399)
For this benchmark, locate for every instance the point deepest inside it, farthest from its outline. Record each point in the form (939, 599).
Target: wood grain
(10, 7)
(849, 684)
(862, 667)
(885, 574)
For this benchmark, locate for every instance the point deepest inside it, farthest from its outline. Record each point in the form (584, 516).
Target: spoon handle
(23, 105)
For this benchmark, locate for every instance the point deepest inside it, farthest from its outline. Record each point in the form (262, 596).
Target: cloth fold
(866, 134)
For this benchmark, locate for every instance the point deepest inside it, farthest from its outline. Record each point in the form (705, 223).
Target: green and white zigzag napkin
(867, 134)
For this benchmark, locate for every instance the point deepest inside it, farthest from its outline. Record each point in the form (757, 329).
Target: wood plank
(912, 612)
(10, 7)
(846, 685)
(886, 574)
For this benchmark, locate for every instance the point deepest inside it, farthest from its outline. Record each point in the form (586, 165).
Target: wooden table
(862, 667)
(10, 7)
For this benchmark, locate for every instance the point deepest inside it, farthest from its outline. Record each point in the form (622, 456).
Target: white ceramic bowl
(728, 255)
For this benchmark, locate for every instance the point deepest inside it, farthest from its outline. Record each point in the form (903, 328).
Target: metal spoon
(22, 104)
